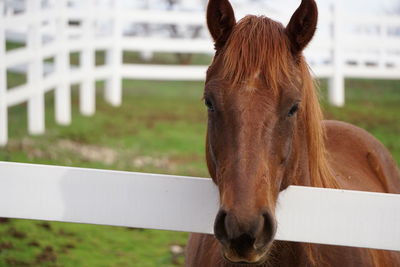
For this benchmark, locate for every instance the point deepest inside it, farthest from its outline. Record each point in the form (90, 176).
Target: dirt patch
(67, 247)
(16, 234)
(89, 152)
(142, 161)
(47, 255)
(16, 262)
(6, 245)
(92, 153)
(4, 220)
(184, 159)
(28, 146)
(177, 253)
(45, 225)
(34, 244)
(65, 233)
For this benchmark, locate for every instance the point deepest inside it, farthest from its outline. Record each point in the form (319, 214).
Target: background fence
(49, 33)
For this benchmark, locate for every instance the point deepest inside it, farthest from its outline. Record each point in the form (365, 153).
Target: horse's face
(253, 122)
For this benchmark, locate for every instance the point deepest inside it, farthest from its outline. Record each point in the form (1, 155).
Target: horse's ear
(220, 21)
(302, 25)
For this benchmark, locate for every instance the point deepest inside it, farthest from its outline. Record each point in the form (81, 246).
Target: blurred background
(118, 85)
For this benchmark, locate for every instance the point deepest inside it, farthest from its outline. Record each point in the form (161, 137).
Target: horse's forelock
(257, 45)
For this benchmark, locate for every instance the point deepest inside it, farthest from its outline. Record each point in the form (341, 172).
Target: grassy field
(159, 128)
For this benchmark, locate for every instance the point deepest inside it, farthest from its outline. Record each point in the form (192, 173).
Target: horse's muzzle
(245, 240)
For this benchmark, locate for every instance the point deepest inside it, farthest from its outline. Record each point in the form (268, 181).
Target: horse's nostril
(219, 227)
(269, 227)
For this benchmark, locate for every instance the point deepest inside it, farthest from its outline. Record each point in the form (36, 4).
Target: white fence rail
(50, 31)
(304, 214)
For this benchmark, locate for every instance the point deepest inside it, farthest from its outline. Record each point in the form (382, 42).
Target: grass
(159, 128)
(36, 243)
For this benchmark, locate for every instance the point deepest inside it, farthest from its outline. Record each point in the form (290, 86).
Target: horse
(265, 132)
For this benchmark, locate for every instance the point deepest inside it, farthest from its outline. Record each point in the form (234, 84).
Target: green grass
(159, 128)
(35, 243)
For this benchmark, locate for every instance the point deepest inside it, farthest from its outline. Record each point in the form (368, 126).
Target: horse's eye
(209, 104)
(293, 110)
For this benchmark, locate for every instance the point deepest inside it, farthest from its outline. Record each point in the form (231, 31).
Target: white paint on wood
(113, 89)
(339, 217)
(87, 92)
(106, 197)
(3, 83)
(305, 214)
(336, 82)
(62, 92)
(163, 72)
(36, 116)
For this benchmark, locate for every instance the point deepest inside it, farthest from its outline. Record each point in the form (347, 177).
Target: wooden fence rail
(305, 214)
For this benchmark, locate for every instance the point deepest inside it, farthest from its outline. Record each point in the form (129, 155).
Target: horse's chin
(251, 258)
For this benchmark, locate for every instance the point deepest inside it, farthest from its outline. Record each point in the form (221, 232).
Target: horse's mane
(259, 45)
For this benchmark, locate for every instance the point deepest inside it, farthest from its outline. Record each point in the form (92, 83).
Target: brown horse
(265, 132)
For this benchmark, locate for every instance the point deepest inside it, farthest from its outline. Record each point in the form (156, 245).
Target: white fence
(51, 30)
(304, 214)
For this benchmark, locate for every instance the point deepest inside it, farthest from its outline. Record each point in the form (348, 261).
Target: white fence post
(3, 81)
(62, 93)
(336, 82)
(36, 119)
(113, 89)
(383, 49)
(87, 97)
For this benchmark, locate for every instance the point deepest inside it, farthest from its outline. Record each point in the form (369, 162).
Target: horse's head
(254, 94)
